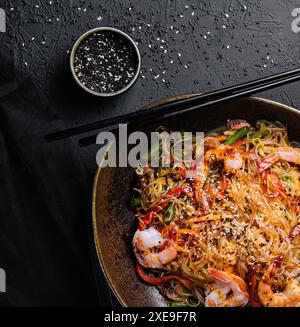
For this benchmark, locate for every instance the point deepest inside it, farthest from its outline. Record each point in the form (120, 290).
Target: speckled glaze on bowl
(124, 35)
(114, 224)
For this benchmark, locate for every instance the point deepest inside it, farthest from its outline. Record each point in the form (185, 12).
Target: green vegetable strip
(260, 134)
(170, 213)
(136, 202)
(176, 304)
(240, 134)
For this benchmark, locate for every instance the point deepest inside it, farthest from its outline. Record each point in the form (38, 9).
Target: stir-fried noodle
(228, 236)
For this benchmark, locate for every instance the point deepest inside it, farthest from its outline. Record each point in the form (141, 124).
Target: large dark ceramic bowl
(114, 224)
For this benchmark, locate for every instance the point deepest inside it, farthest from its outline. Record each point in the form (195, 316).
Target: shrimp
(233, 160)
(236, 124)
(284, 153)
(229, 290)
(146, 241)
(289, 297)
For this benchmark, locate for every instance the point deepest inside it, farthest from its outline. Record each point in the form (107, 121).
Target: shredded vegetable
(221, 233)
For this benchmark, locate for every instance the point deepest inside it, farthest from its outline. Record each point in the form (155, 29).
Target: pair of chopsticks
(165, 111)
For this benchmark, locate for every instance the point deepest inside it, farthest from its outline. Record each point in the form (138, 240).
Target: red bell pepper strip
(238, 143)
(252, 284)
(161, 280)
(224, 184)
(177, 191)
(273, 182)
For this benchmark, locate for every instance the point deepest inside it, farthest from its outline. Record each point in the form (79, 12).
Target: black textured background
(186, 46)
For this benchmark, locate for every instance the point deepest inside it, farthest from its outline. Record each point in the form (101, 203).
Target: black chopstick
(183, 105)
(244, 92)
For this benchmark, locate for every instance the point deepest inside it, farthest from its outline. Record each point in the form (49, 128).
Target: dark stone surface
(186, 46)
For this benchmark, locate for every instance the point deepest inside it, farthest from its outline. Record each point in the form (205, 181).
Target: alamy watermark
(2, 21)
(296, 22)
(2, 281)
(159, 149)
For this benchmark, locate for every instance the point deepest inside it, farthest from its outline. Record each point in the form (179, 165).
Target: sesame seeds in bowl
(105, 61)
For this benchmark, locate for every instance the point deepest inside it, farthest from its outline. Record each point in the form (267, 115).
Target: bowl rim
(114, 30)
(97, 182)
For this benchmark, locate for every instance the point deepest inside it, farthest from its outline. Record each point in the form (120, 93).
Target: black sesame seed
(105, 62)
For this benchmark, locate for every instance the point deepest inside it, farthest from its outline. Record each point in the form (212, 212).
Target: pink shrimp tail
(219, 275)
(267, 162)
